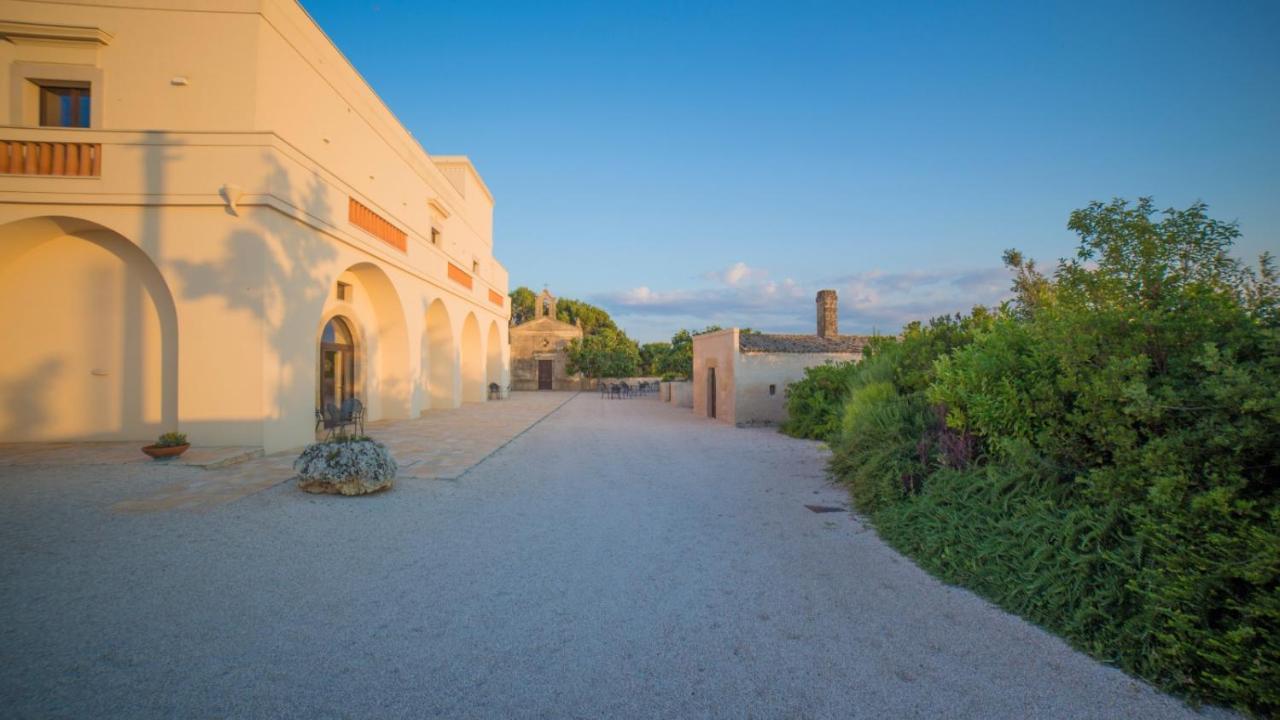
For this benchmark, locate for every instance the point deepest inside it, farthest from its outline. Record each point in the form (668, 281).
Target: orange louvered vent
(459, 276)
(377, 226)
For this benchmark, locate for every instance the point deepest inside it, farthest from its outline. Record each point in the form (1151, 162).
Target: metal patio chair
(353, 413)
(333, 421)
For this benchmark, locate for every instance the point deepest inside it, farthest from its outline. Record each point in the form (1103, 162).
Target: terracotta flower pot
(167, 452)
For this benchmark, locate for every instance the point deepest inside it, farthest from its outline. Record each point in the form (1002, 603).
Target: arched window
(336, 332)
(337, 363)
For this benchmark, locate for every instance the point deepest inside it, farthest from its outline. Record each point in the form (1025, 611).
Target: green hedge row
(1099, 456)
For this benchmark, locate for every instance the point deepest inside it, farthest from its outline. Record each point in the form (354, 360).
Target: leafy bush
(813, 403)
(889, 437)
(877, 449)
(1100, 456)
(172, 439)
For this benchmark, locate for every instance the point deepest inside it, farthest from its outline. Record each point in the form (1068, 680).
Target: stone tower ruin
(828, 326)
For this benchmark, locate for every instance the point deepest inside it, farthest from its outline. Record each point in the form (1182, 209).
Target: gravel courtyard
(621, 558)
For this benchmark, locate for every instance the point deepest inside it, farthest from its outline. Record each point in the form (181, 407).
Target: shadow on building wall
(26, 398)
(157, 156)
(93, 354)
(279, 271)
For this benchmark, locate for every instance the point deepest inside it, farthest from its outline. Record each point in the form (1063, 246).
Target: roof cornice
(21, 33)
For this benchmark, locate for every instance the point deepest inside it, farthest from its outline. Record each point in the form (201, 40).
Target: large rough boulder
(345, 465)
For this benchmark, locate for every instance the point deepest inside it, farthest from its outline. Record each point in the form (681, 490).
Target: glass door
(337, 368)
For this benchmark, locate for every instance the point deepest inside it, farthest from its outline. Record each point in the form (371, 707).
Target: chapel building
(538, 358)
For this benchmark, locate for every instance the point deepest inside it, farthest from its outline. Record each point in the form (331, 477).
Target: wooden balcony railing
(24, 157)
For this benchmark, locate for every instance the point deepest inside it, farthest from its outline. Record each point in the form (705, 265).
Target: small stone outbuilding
(741, 378)
(538, 359)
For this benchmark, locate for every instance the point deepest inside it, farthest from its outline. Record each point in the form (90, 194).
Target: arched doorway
(370, 305)
(93, 352)
(441, 357)
(472, 361)
(493, 366)
(337, 365)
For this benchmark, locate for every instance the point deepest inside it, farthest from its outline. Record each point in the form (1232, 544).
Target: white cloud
(736, 274)
(887, 301)
(744, 296)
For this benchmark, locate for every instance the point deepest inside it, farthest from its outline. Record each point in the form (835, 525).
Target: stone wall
(760, 393)
(682, 394)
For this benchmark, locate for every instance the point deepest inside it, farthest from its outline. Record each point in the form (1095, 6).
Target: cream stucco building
(209, 222)
(741, 378)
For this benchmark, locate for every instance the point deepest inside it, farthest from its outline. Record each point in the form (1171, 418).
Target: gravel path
(619, 559)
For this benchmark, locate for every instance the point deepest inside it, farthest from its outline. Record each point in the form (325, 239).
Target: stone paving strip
(443, 445)
(117, 453)
(440, 445)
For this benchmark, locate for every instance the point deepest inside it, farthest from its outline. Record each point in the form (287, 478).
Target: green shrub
(813, 403)
(1101, 455)
(889, 438)
(876, 453)
(1014, 534)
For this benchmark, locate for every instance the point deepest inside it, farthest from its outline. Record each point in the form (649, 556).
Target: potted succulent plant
(345, 465)
(169, 445)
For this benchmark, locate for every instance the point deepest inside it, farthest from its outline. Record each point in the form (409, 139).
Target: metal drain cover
(824, 508)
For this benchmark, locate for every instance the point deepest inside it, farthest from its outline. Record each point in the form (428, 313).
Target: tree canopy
(605, 353)
(522, 305)
(593, 319)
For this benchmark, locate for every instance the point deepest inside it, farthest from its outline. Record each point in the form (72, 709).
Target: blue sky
(690, 163)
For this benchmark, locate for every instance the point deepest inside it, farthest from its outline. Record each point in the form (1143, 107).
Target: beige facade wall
(718, 350)
(185, 286)
(761, 380)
